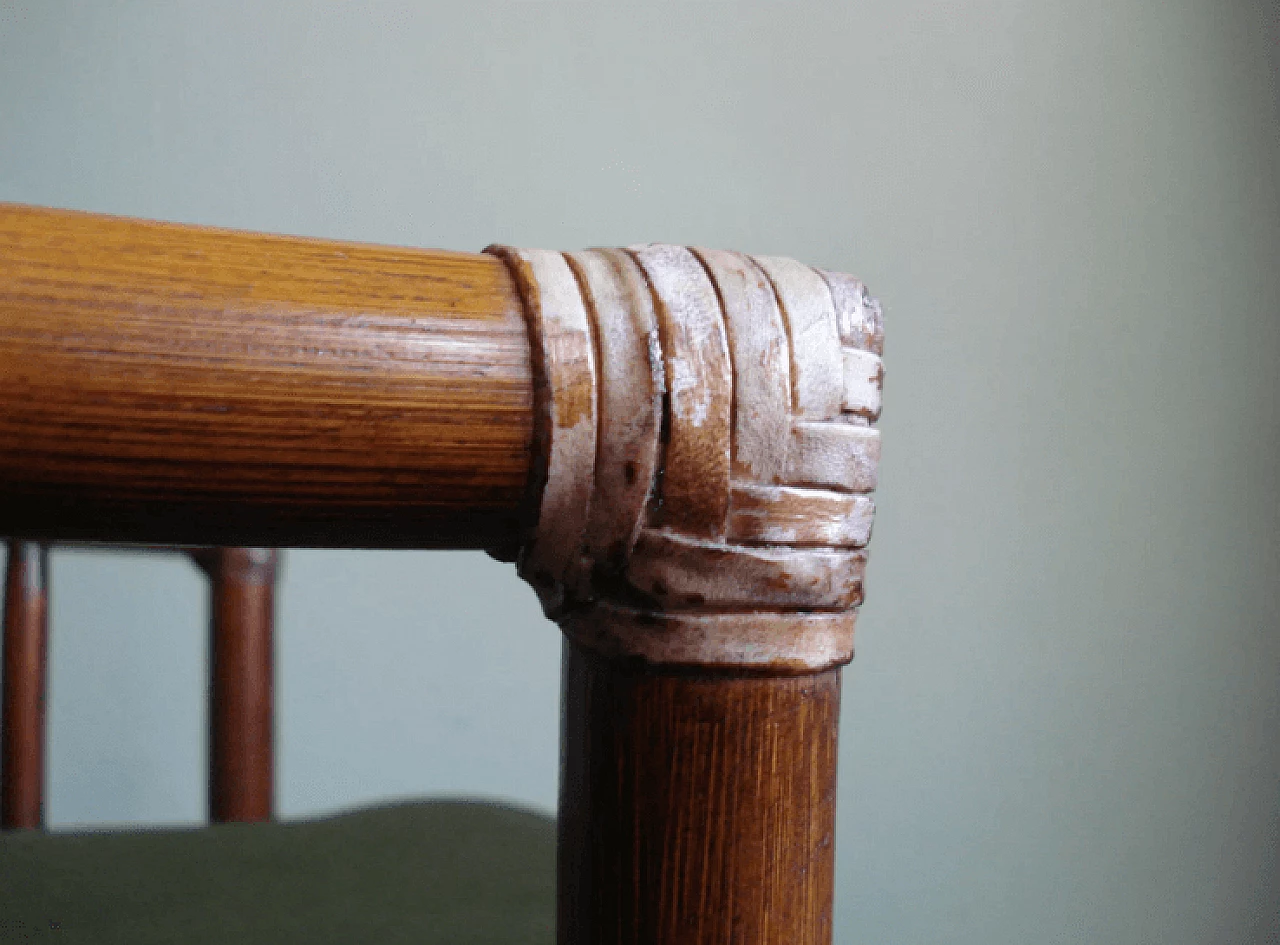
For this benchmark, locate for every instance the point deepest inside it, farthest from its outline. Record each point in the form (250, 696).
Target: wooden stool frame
(675, 446)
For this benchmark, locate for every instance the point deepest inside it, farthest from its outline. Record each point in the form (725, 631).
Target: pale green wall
(1063, 724)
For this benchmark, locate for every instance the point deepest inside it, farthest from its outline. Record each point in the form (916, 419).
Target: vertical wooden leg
(695, 808)
(26, 610)
(699, 513)
(240, 702)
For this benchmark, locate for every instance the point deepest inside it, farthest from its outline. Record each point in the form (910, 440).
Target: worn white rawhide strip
(863, 375)
(817, 372)
(695, 479)
(630, 404)
(858, 314)
(706, 432)
(761, 359)
(778, 642)
(680, 572)
(794, 515)
(837, 455)
(558, 314)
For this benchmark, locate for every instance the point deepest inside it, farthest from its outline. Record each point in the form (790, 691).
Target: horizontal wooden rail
(179, 384)
(676, 446)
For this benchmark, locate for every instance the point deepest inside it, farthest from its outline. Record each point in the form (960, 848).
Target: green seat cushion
(450, 872)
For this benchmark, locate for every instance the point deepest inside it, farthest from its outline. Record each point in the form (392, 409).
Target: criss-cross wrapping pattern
(705, 453)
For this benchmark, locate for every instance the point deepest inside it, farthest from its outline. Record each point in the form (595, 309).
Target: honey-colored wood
(178, 384)
(22, 715)
(241, 728)
(695, 809)
(675, 446)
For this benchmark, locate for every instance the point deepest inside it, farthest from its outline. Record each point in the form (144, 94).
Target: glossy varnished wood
(26, 610)
(694, 517)
(240, 686)
(167, 383)
(695, 808)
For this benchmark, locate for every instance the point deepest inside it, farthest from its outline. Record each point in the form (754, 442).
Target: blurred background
(1063, 724)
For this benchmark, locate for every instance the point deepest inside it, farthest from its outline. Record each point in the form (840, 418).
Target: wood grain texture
(709, 609)
(177, 384)
(240, 682)
(696, 810)
(22, 714)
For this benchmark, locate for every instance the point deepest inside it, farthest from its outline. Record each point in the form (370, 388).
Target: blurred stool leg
(26, 615)
(240, 700)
